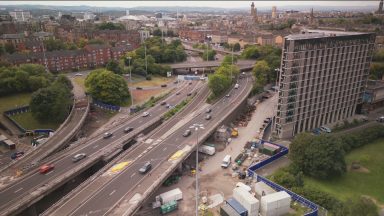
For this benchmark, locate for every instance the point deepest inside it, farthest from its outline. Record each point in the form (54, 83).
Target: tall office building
(274, 10)
(20, 15)
(322, 78)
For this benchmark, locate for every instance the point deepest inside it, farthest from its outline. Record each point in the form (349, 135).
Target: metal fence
(103, 105)
(284, 150)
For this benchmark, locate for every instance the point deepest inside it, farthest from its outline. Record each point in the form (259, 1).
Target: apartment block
(323, 75)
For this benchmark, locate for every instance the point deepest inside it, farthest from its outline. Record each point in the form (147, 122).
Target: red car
(46, 168)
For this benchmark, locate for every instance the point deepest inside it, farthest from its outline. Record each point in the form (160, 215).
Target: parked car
(325, 129)
(145, 114)
(163, 103)
(187, 133)
(46, 168)
(78, 157)
(128, 129)
(164, 85)
(16, 155)
(145, 168)
(380, 119)
(107, 135)
(208, 117)
(139, 88)
(316, 131)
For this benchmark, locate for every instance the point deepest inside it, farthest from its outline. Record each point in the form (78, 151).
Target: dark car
(78, 157)
(316, 131)
(145, 168)
(190, 83)
(16, 155)
(128, 129)
(187, 133)
(208, 117)
(177, 93)
(163, 103)
(107, 135)
(164, 85)
(139, 88)
(189, 94)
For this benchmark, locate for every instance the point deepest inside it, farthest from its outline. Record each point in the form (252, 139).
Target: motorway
(103, 200)
(32, 184)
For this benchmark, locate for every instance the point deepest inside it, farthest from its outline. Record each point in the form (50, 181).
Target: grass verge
(14, 101)
(28, 122)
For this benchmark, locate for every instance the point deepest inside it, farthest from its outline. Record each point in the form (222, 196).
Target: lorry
(209, 150)
(172, 195)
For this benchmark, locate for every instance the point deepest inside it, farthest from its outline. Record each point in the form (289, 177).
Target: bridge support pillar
(31, 211)
(180, 168)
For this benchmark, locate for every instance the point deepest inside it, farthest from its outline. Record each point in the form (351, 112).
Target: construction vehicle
(235, 132)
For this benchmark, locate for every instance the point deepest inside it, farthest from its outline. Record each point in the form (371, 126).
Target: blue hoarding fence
(103, 105)
(284, 150)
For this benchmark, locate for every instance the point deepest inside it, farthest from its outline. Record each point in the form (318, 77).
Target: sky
(217, 4)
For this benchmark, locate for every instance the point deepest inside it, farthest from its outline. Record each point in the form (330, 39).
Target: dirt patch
(95, 120)
(156, 81)
(140, 96)
(361, 169)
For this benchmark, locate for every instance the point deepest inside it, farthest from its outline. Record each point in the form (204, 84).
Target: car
(208, 117)
(325, 129)
(145, 114)
(78, 74)
(128, 129)
(187, 133)
(208, 110)
(169, 106)
(228, 95)
(163, 103)
(78, 157)
(139, 88)
(177, 93)
(190, 83)
(107, 135)
(145, 168)
(164, 85)
(316, 131)
(176, 82)
(16, 155)
(46, 168)
(236, 86)
(380, 119)
(243, 73)
(189, 94)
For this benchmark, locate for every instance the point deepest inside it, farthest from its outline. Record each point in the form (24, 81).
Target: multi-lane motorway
(125, 184)
(18, 195)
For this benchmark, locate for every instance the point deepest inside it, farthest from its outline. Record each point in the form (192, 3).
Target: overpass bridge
(188, 46)
(25, 192)
(244, 65)
(127, 190)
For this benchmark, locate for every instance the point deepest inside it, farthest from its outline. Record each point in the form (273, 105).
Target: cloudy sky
(221, 4)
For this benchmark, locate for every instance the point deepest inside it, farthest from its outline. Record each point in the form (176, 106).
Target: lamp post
(130, 75)
(197, 127)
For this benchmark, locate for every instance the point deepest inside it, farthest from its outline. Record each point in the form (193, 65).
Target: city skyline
(223, 4)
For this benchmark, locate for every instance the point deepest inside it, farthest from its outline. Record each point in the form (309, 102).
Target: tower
(273, 12)
(253, 9)
(311, 17)
(380, 10)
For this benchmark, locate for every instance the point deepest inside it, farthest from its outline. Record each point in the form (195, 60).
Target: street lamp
(130, 76)
(197, 127)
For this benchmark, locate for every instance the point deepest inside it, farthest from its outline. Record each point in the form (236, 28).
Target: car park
(325, 129)
(46, 168)
(128, 129)
(16, 155)
(187, 133)
(145, 114)
(78, 157)
(145, 168)
(107, 135)
(208, 117)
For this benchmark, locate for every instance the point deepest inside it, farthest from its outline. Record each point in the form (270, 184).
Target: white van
(226, 161)
(236, 86)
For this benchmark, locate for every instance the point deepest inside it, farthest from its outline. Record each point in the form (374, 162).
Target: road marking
(112, 192)
(95, 146)
(18, 190)
(133, 175)
(164, 148)
(49, 172)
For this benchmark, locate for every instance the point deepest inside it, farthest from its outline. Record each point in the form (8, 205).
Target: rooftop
(312, 34)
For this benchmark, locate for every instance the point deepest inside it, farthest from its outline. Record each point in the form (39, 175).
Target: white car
(145, 114)
(325, 129)
(78, 74)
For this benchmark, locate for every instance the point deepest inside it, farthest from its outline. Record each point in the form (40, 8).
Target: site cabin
(209, 150)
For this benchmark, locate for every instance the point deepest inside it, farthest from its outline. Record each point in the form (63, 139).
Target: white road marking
(164, 148)
(95, 146)
(49, 172)
(112, 192)
(18, 190)
(133, 175)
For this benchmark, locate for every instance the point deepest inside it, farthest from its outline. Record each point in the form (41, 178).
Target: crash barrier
(252, 172)
(103, 105)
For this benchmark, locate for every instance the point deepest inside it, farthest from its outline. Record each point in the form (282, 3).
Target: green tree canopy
(319, 157)
(114, 67)
(218, 83)
(261, 71)
(108, 87)
(210, 54)
(110, 26)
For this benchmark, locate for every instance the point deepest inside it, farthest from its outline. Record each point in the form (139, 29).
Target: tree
(110, 26)
(114, 67)
(2, 49)
(318, 156)
(227, 60)
(359, 207)
(251, 52)
(156, 32)
(108, 87)
(9, 48)
(236, 47)
(376, 71)
(218, 83)
(210, 53)
(51, 104)
(261, 71)
(62, 79)
(52, 44)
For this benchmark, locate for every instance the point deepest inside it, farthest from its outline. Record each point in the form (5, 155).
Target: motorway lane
(101, 201)
(11, 194)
